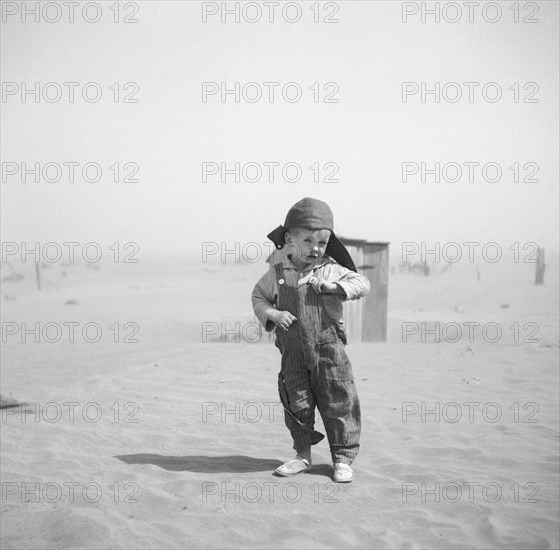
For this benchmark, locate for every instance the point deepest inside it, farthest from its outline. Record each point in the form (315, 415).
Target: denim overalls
(316, 371)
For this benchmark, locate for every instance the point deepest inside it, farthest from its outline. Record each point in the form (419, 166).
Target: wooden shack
(365, 319)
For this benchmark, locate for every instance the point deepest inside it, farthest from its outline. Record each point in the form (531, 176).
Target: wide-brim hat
(313, 214)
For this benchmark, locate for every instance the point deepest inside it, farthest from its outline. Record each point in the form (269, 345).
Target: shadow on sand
(204, 464)
(237, 464)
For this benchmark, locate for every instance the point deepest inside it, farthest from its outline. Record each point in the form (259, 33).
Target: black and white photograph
(280, 274)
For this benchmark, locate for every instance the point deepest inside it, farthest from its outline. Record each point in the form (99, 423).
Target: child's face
(307, 246)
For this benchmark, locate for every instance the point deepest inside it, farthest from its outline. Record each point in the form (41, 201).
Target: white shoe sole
(286, 469)
(337, 479)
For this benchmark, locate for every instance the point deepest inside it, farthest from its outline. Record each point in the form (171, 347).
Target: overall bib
(316, 372)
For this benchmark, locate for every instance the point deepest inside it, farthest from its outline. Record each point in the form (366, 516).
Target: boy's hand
(282, 319)
(322, 285)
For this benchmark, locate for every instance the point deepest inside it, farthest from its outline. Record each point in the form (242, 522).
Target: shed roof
(360, 242)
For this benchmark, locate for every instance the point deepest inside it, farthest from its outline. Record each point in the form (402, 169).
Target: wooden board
(376, 269)
(353, 308)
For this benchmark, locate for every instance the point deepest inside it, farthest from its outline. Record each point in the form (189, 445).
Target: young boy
(301, 297)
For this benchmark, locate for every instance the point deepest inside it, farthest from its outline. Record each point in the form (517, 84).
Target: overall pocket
(333, 361)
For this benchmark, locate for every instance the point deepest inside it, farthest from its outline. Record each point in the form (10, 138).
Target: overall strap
(287, 296)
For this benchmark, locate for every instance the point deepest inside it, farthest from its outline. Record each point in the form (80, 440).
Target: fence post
(539, 273)
(38, 274)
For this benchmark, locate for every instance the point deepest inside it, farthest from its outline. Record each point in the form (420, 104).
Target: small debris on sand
(8, 402)
(468, 351)
(12, 278)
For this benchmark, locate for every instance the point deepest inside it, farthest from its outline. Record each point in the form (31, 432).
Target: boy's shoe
(342, 473)
(295, 466)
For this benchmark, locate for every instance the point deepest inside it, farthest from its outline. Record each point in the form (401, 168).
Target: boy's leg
(298, 399)
(338, 402)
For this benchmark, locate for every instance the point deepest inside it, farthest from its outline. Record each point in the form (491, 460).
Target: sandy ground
(169, 442)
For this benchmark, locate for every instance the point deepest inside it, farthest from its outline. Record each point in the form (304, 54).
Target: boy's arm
(344, 282)
(264, 299)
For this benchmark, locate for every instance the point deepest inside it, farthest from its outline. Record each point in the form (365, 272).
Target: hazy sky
(367, 134)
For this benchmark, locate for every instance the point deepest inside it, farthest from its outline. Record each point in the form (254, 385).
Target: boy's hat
(313, 214)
